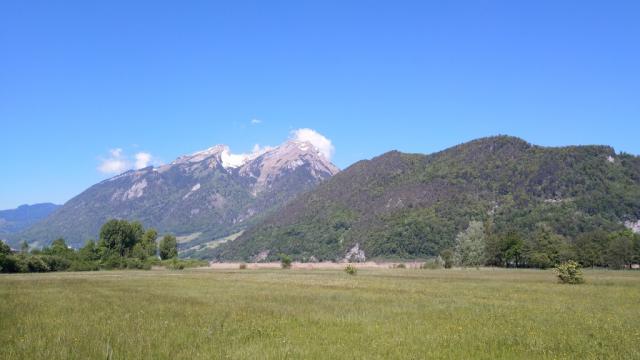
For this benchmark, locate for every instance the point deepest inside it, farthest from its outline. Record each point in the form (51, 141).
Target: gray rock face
(213, 192)
(355, 254)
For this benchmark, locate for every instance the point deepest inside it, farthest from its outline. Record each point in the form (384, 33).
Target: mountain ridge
(212, 192)
(20, 218)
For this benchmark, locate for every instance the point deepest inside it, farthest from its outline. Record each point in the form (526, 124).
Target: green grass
(277, 314)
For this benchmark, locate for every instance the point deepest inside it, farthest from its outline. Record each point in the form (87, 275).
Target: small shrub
(285, 261)
(401, 266)
(350, 269)
(569, 273)
(243, 266)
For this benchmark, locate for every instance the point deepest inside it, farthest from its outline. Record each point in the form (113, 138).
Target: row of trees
(477, 245)
(123, 239)
(121, 244)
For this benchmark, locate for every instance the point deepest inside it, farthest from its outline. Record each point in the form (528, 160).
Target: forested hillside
(412, 205)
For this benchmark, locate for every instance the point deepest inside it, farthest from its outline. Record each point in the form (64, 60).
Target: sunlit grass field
(307, 314)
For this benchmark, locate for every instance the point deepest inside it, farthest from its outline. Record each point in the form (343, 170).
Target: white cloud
(143, 159)
(256, 121)
(118, 162)
(116, 153)
(231, 160)
(258, 150)
(114, 164)
(316, 139)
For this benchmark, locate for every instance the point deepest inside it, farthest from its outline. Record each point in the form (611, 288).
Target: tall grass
(276, 314)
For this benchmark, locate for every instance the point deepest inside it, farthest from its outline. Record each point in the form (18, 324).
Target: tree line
(479, 245)
(121, 245)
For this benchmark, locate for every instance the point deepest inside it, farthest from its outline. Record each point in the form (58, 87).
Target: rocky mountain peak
(262, 163)
(285, 159)
(213, 153)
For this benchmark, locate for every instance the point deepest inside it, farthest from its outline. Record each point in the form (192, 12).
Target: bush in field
(401, 266)
(178, 264)
(243, 266)
(134, 263)
(350, 269)
(56, 263)
(285, 261)
(447, 258)
(175, 264)
(84, 266)
(36, 264)
(32, 264)
(569, 273)
(113, 262)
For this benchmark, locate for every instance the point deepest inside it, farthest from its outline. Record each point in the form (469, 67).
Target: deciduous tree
(620, 249)
(470, 245)
(119, 236)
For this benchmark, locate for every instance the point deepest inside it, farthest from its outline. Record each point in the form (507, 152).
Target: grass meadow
(311, 314)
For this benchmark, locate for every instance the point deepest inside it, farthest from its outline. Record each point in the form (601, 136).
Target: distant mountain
(15, 220)
(412, 205)
(208, 195)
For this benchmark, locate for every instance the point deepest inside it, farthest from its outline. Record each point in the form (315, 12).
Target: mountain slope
(411, 205)
(203, 196)
(16, 220)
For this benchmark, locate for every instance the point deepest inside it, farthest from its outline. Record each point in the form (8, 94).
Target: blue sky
(81, 78)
